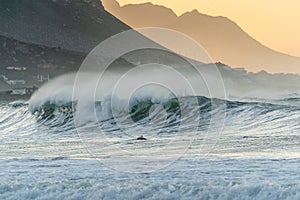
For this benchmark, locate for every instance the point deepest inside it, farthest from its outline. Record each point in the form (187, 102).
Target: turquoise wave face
(168, 113)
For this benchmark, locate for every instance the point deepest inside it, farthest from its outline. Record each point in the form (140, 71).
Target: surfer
(141, 138)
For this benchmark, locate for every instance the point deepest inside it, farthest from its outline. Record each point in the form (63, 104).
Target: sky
(274, 23)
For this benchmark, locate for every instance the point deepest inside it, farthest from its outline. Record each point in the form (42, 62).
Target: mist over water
(238, 84)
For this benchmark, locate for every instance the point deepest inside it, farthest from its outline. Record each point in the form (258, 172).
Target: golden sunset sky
(274, 23)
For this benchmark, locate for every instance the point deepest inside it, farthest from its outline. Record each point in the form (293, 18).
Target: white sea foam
(82, 179)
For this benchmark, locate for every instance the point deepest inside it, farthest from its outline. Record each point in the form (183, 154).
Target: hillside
(49, 37)
(77, 25)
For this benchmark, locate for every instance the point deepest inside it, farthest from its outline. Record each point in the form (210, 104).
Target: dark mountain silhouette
(224, 40)
(77, 25)
(49, 37)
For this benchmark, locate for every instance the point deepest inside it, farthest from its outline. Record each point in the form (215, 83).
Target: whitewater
(61, 146)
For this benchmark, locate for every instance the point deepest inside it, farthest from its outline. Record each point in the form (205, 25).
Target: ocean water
(211, 149)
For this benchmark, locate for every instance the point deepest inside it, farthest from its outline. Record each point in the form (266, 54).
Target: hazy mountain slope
(227, 42)
(224, 40)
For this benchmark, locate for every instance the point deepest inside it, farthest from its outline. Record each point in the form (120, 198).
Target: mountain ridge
(223, 38)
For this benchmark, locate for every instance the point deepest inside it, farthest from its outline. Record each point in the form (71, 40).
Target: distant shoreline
(6, 96)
